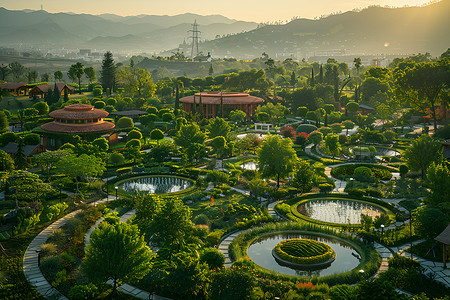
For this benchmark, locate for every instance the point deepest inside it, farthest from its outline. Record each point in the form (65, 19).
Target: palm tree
(358, 64)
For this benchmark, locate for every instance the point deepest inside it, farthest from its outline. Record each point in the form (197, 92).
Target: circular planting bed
(337, 210)
(303, 253)
(155, 184)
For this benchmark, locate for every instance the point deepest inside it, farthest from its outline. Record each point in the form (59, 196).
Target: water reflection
(156, 185)
(261, 253)
(250, 165)
(338, 211)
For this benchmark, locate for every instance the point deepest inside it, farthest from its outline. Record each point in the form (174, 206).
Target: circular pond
(341, 211)
(155, 184)
(260, 252)
(386, 152)
(250, 165)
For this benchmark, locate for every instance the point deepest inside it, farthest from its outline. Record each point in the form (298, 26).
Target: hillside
(149, 33)
(374, 30)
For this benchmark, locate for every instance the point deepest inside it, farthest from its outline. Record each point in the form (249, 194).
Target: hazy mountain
(147, 32)
(374, 30)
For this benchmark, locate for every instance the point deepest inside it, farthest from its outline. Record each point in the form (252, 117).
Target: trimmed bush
(214, 258)
(304, 251)
(363, 171)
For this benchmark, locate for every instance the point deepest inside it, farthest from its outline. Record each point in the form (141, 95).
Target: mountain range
(150, 33)
(374, 30)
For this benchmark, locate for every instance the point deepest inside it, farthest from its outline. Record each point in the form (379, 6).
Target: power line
(195, 37)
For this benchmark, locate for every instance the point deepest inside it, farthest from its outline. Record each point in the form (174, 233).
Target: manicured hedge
(346, 171)
(370, 258)
(304, 251)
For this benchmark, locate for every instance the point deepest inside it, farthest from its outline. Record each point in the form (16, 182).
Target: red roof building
(41, 90)
(210, 103)
(78, 118)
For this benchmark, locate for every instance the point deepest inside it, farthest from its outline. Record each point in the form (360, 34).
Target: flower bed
(304, 252)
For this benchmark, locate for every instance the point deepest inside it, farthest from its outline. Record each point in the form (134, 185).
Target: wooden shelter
(444, 238)
(210, 103)
(42, 90)
(15, 88)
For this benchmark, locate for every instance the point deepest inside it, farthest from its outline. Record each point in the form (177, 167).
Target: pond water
(338, 210)
(155, 184)
(261, 253)
(386, 152)
(250, 165)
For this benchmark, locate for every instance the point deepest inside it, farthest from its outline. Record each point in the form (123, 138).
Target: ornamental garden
(244, 188)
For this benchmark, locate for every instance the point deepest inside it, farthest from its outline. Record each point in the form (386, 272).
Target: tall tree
(438, 179)
(20, 159)
(218, 127)
(138, 82)
(77, 70)
(58, 76)
(80, 166)
(312, 77)
(91, 74)
(321, 74)
(189, 134)
(332, 143)
(17, 70)
(118, 252)
(108, 72)
(4, 124)
(422, 152)
(32, 76)
(276, 157)
(357, 63)
(4, 71)
(422, 86)
(304, 176)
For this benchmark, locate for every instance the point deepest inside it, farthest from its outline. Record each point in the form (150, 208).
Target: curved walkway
(436, 268)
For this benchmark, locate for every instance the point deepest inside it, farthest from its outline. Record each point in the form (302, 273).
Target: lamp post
(382, 231)
(117, 188)
(410, 234)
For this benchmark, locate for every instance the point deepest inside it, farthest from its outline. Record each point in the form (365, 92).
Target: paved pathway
(31, 258)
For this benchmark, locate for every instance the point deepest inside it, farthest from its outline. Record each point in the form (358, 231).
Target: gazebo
(76, 119)
(211, 103)
(444, 238)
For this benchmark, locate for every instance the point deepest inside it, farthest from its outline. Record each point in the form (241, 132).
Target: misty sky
(248, 10)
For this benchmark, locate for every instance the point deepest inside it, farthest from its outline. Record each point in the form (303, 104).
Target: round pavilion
(210, 103)
(78, 118)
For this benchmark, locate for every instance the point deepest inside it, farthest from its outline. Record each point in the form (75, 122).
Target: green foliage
(346, 171)
(231, 283)
(134, 134)
(304, 251)
(42, 107)
(116, 158)
(438, 179)
(325, 130)
(7, 163)
(125, 122)
(214, 258)
(276, 157)
(218, 127)
(362, 171)
(429, 221)
(303, 179)
(7, 137)
(118, 252)
(214, 237)
(315, 137)
(156, 134)
(99, 104)
(332, 144)
(133, 144)
(83, 292)
(422, 152)
(188, 135)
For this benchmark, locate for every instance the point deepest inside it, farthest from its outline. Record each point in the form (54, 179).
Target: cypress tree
(108, 72)
(312, 77)
(20, 159)
(66, 95)
(321, 74)
(211, 70)
(4, 124)
(56, 94)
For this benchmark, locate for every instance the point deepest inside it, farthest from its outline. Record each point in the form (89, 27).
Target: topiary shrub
(201, 219)
(214, 258)
(134, 134)
(326, 187)
(304, 251)
(363, 171)
(83, 292)
(125, 122)
(99, 104)
(214, 237)
(32, 139)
